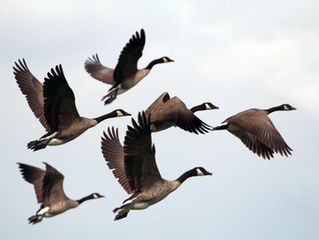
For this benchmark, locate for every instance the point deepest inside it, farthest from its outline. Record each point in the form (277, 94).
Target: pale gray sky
(236, 54)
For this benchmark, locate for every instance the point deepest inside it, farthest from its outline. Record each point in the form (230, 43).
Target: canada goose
(254, 128)
(125, 75)
(48, 186)
(166, 112)
(54, 105)
(135, 167)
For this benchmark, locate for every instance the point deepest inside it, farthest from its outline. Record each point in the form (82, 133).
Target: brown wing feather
(174, 110)
(52, 186)
(127, 63)
(59, 104)
(34, 176)
(32, 89)
(140, 166)
(98, 71)
(257, 123)
(114, 156)
(254, 144)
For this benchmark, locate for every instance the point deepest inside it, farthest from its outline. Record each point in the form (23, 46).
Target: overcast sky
(235, 54)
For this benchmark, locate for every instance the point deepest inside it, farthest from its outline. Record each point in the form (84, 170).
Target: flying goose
(135, 168)
(48, 186)
(54, 105)
(254, 128)
(166, 112)
(125, 75)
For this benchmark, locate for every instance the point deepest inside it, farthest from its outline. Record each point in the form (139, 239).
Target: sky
(235, 54)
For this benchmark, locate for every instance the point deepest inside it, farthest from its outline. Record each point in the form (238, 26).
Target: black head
(157, 61)
(96, 196)
(287, 107)
(166, 59)
(121, 113)
(200, 171)
(204, 106)
(209, 106)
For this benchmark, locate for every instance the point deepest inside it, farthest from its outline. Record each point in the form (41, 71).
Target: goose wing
(174, 110)
(32, 89)
(34, 176)
(52, 188)
(98, 71)
(140, 166)
(59, 101)
(260, 131)
(127, 63)
(114, 156)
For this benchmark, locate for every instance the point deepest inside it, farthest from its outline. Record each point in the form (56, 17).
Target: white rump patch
(43, 211)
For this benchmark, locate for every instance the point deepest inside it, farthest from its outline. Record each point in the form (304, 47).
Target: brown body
(126, 74)
(135, 168)
(166, 112)
(48, 186)
(255, 129)
(53, 103)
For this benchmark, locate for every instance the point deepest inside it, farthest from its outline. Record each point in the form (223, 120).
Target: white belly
(140, 205)
(56, 141)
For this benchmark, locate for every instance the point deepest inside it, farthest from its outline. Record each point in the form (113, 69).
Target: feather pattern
(114, 156)
(59, 103)
(98, 71)
(32, 88)
(255, 129)
(166, 112)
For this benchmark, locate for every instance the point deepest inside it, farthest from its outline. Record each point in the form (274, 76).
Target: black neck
(85, 199)
(198, 108)
(106, 116)
(184, 176)
(156, 61)
(273, 109)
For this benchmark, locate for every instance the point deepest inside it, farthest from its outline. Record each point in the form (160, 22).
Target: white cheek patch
(165, 59)
(199, 172)
(207, 106)
(119, 113)
(285, 108)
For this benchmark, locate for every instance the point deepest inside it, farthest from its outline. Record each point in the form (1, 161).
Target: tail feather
(110, 97)
(121, 214)
(35, 219)
(38, 144)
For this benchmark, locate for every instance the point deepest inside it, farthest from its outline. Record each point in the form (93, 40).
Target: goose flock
(132, 164)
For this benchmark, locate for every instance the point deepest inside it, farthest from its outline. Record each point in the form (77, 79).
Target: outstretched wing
(98, 71)
(139, 154)
(34, 176)
(260, 132)
(114, 156)
(59, 101)
(175, 111)
(52, 189)
(127, 63)
(32, 89)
